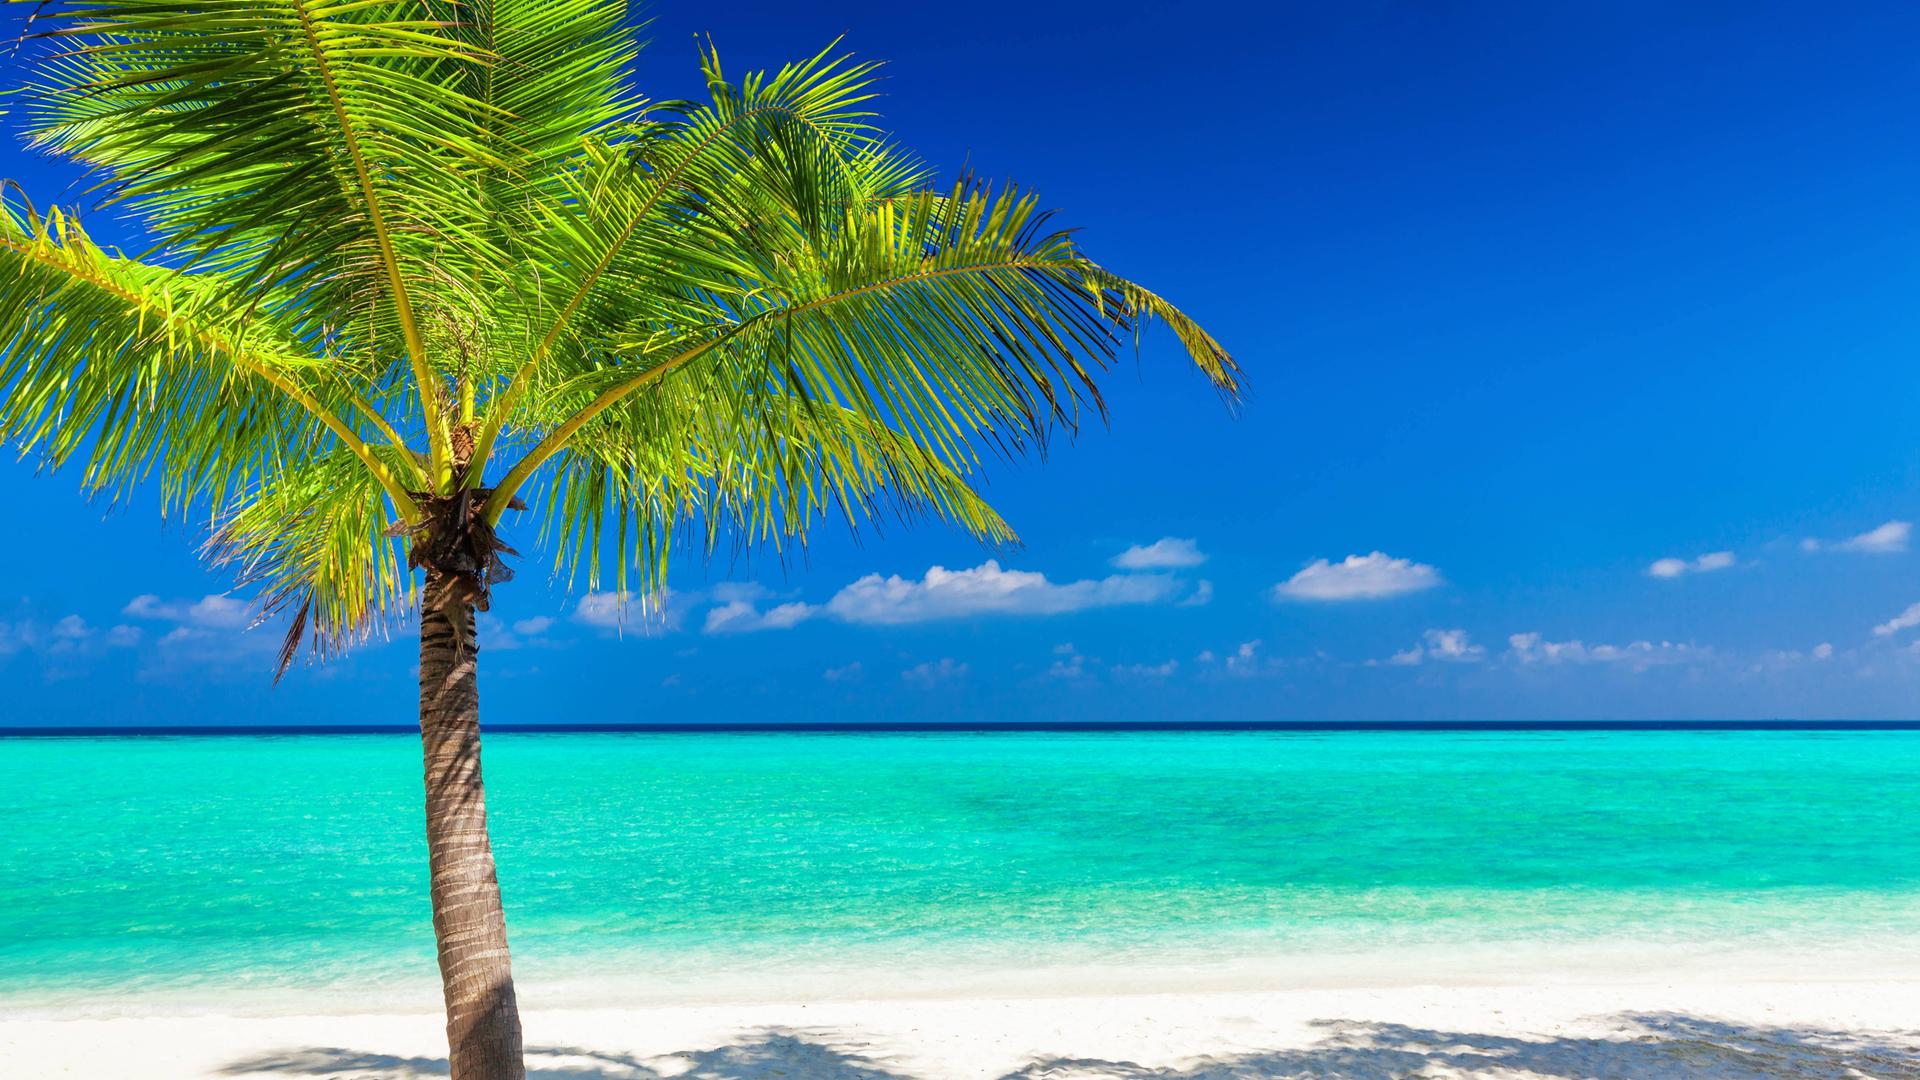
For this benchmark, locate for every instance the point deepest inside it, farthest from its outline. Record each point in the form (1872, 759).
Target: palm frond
(139, 368)
(629, 225)
(315, 540)
(321, 150)
(557, 72)
(956, 319)
(761, 469)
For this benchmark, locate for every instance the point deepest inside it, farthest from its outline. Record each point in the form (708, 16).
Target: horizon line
(964, 726)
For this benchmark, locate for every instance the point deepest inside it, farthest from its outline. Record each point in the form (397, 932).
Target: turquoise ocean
(137, 869)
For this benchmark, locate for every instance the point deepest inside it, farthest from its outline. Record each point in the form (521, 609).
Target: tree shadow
(781, 1052)
(1644, 1045)
(788, 1054)
(1647, 1045)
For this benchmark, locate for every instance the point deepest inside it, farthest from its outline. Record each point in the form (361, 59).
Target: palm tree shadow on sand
(766, 1053)
(1647, 1045)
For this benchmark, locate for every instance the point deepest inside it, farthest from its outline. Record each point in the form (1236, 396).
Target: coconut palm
(414, 263)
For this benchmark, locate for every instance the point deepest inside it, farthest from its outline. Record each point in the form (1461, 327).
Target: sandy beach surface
(1868, 1028)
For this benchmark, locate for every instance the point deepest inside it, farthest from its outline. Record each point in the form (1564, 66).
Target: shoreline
(1649, 1028)
(649, 982)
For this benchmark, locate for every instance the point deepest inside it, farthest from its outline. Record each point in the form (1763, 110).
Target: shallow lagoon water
(184, 865)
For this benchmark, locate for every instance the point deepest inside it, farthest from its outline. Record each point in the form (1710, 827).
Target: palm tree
(412, 262)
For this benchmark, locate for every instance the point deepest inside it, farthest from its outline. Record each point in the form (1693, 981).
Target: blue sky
(1531, 301)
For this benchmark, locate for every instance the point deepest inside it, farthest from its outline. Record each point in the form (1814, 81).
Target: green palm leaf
(137, 369)
(314, 539)
(320, 150)
(761, 469)
(954, 319)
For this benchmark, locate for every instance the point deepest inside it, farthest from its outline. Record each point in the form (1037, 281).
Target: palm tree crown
(413, 261)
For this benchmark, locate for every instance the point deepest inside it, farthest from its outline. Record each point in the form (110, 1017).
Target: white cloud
(845, 673)
(218, 611)
(1904, 621)
(495, 635)
(69, 635)
(648, 615)
(1451, 646)
(1166, 553)
(533, 627)
(147, 606)
(1068, 663)
(743, 616)
(498, 635)
(1243, 660)
(933, 672)
(781, 616)
(1357, 577)
(1201, 595)
(1776, 660)
(603, 610)
(987, 589)
(739, 610)
(1888, 539)
(212, 612)
(1148, 671)
(217, 635)
(1673, 568)
(211, 632)
(1533, 648)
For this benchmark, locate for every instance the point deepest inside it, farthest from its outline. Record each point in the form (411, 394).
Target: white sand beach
(1682, 1029)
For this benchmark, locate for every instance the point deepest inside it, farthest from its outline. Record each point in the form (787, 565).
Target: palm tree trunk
(469, 926)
